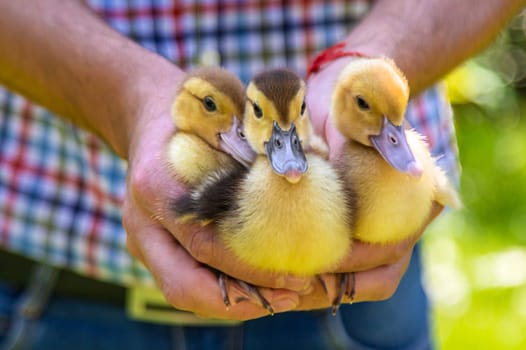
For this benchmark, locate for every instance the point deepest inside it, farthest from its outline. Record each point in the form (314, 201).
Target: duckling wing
(213, 199)
(445, 192)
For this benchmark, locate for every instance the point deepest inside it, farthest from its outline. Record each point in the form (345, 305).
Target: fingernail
(307, 290)
(285, 303)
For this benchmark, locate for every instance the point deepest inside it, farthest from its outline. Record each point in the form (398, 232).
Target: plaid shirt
(61, 188)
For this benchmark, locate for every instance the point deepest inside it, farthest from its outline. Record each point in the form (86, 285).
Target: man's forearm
(428, 38)
(62, 56)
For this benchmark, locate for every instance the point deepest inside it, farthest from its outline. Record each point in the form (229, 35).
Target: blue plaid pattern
(61, 188)
(431, 115)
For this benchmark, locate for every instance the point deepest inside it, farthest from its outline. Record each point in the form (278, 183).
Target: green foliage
(477, 285)
(493, 156)
(475, 259)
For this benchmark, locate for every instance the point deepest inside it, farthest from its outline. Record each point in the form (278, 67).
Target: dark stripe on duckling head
(280, 85)
(224, 81)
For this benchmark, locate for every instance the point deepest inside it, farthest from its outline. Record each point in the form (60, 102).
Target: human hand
(377, 269)
(176, 253)
(318, 98)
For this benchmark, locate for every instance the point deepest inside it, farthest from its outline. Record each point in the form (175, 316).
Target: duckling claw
(254, 291)
(249, 289)
(323, 284)
(342, 290)
(344, 280)
(224, 290)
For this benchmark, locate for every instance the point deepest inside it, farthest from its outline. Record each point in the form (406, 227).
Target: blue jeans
(398, 323)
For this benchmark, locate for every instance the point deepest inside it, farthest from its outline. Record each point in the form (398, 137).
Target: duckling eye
(209, 104)
(302, 107)
(362, 104)
(257, 110)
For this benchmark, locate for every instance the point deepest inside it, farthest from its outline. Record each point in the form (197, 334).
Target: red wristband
(328, 55)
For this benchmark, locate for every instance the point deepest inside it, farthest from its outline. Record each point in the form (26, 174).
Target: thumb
(334, 139)
(318, 99)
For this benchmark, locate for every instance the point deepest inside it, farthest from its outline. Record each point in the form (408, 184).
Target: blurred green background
(476, 258)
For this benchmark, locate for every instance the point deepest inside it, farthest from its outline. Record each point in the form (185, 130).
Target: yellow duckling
(389, 168)
(290, 212)
(207, 113)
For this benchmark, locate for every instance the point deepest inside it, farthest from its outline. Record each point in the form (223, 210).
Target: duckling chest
(300, 228)
(191, 158)
(390, 205)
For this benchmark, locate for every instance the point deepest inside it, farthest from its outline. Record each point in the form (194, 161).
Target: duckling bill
(285, 153)
(392, 145)
(233, 142)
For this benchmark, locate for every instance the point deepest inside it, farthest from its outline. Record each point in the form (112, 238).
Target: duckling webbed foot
(250, 291)
(345, 289)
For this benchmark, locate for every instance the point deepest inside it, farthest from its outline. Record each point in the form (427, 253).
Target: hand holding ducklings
(384, 264)
(257, 200)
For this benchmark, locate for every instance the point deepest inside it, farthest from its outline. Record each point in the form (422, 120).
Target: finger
(195, 288)
(188, 285)
(202, 243)
(319, 90)
(316, 99)
(133, 249)
(373, 285)
(366, 256)
(335, 140)
(206, 246)
(379, 283)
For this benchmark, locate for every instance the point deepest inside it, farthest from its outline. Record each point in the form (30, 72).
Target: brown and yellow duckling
(207, 113)
(291, 211)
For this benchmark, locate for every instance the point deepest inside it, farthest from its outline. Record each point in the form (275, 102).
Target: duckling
(289, 212)
(393, 175)
(207, 113)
